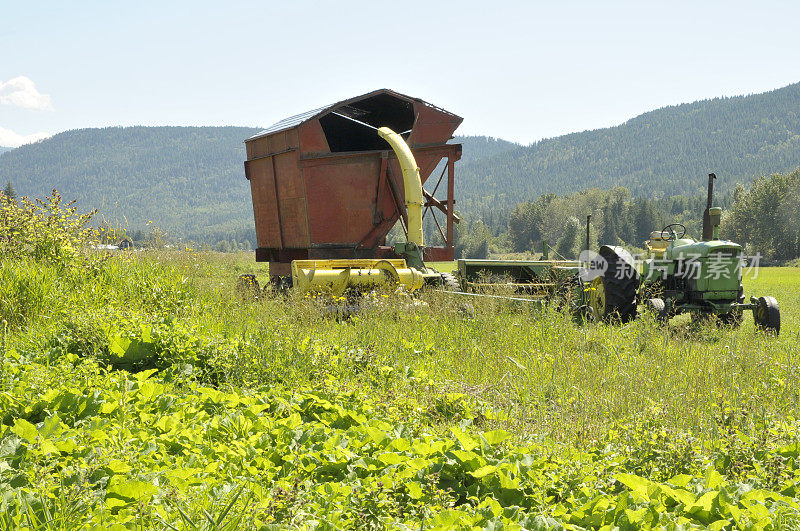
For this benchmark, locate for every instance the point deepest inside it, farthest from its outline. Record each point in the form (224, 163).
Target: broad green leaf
(100, 435)
(132, 490)
(401, 445)
(469, 460)
(714, 480)
(423, 449)
(678, 495)
(51, 427)
(66, 446)
(391, 458)
(506, 481)
(635, 483)
(108, 407)
(467, 442)
(636, 517)
(47, 447)
(116, 503)
(681, 480)
(450, 519)
(118, 345)
(150, 389)
(144, 375)
(496, 436)
(146, 334)
(25, 430)
(414, 489)
(118, 467)
(376, 435)
(484, 471)
(757, 512)
(493, 505)
(791, 450)
(719, 525)
(417, 463)
(701, 509)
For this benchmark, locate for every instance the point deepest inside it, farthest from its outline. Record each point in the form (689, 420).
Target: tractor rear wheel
(450, 282)
(613, 295)
(767, 315)
(658, 309)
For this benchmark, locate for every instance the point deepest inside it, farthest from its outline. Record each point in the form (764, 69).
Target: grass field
(145, 394)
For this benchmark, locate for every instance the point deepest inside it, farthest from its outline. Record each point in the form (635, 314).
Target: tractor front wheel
(767, 315)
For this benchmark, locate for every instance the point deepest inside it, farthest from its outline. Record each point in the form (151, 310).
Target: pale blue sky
(516, 70)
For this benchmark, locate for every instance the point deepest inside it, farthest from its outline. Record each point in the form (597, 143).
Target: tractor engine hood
(691, 249)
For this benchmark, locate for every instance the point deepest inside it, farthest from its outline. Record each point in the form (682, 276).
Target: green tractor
(703, 277)
(680, 275)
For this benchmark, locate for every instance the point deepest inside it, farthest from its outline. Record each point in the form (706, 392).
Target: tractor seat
(656, 244)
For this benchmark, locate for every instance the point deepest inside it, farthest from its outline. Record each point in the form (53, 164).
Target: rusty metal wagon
(326, 186)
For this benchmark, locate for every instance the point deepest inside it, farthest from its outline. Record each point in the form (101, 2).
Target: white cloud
(21, 92)
(9, 138)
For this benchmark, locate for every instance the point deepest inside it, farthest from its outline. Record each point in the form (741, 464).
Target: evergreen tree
(9, 192)
(645, 220)
(568, 244)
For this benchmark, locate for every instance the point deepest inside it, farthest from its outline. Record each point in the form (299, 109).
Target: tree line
(764, 217)
(617, 218)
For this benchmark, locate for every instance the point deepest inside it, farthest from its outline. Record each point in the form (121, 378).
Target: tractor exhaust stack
(708, 226)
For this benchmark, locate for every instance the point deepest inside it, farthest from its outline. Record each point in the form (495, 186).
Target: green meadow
(138, 391)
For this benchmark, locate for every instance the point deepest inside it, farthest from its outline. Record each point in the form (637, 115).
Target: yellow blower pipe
(411, 182)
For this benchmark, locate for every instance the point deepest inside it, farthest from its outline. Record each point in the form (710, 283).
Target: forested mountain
(481, 147)
(660, 153)
(188, 181)
(4, 149)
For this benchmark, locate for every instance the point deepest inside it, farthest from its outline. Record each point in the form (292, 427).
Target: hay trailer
(327, 188)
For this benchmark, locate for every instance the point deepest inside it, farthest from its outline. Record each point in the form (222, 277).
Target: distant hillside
(4, 149)
(660, 153)
(187, 180)
(190, 180)
(481, 147)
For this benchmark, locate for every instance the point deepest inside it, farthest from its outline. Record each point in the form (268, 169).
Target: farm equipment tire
(658, 309)
(767, 315)
(613, 295)
(450, 282)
